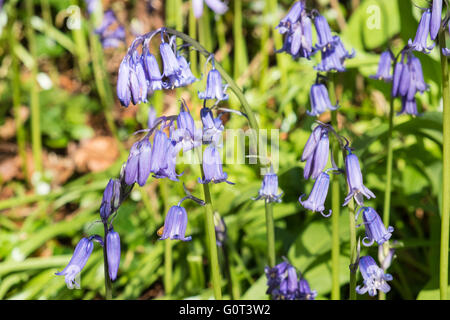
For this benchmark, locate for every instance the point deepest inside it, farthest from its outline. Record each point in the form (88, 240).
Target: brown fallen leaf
(95, 154)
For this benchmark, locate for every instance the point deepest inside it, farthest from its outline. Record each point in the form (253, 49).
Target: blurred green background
(50, 196)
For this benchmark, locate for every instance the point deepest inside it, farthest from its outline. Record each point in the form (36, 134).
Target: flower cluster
(139, 73)
(430, 24)
(156, 152)
(297, 28)
(284, 284)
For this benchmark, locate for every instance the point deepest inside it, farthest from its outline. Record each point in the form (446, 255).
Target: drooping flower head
(318, 195)
(175, 224)
(297, 28)
(325, 40)
(384, 67)
(317, 161)
(111, 199)
(269, 188)
(374, 277)
(435, 22)
(305, 292)
(137, 168)
(215, 90)
(356, 188)
(274, 276)
(292, 17)
(113, 252)
(375, 229)
(187, 134)
(212, 167)
(320, 101)
(420, 41)
(212, 127)
(408, 107)
(80, 256)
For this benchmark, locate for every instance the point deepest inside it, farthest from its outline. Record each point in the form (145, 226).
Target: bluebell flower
(289, 285)
(446, 52)
(160, 145)
(417, 80)
(274, 276)
(320, 101)
(169, 159)
(292, 17)
(318, 195)
(435, 22)
(316, 162)
(408, 107)
(123, 86)
(305, 292)
(111, 199)
(215, 90)
(175, 224)
(397, 77)
(186, 77)
(341, 52)
(269, 188)
(217, 6)
(132, 164)
(385, 257)
(312, 142)
(113, 252)
(187, 134)
(374, 277)
(325, 40)
(138, 167)
(154, 76)
(355, 181)
(384, 67)
(171, 67)
(80, 256)
(212, 167)
(298, 29)
(331, 61)
(212, 127)
(420, 41)
(375, 229)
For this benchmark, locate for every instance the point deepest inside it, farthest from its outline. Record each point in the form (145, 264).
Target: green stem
(34, 94)
(335, 204)
(443, 279)
(108, 283)
(352, 224)
(15, 82)
(270, 235)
